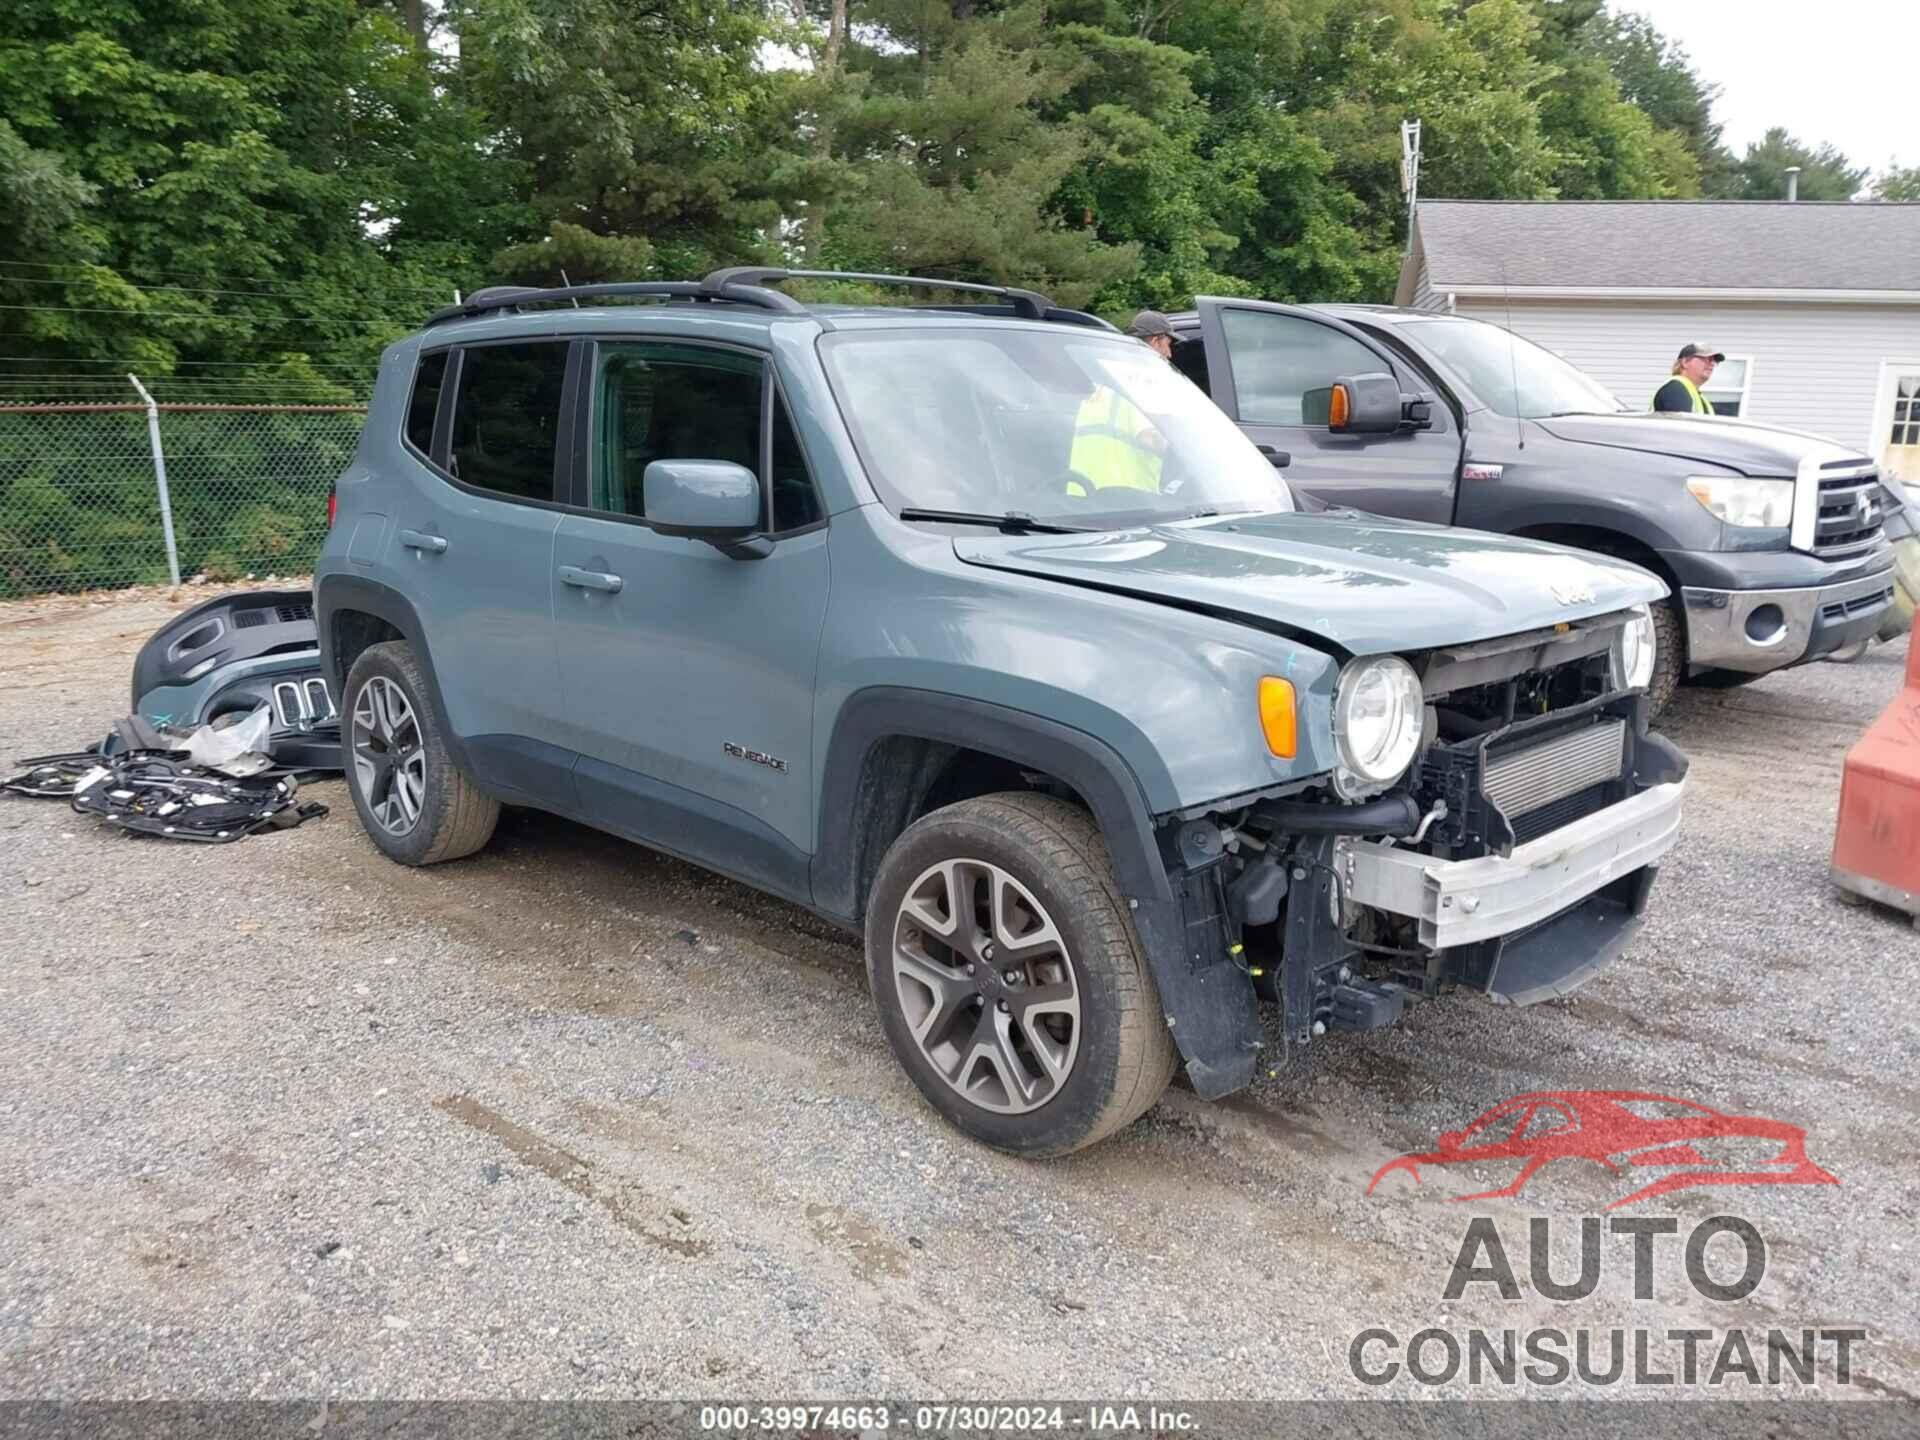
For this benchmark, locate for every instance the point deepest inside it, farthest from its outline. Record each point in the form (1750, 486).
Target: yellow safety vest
(1700, 406)
(1106, 443)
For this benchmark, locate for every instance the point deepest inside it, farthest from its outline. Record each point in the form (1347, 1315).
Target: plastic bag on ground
(219, 746)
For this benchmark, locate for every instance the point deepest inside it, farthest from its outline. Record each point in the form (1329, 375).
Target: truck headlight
(1756, 504)
(1632, 656)
(1378, 712)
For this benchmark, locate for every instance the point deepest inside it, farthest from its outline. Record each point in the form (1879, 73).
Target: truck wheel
(1009, 978)
(417, 806)
(1669, 656)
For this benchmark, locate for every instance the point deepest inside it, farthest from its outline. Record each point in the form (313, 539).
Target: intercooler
(1533, 776)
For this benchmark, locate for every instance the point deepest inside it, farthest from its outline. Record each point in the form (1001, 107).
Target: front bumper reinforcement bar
(1460, 902)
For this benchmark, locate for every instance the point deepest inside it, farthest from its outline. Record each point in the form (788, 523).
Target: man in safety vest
(1114, 444)
(1692, 370)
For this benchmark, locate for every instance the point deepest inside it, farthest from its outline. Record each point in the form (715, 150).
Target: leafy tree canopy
(281, 186)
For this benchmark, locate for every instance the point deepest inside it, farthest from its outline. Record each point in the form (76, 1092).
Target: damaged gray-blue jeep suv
(977, 629)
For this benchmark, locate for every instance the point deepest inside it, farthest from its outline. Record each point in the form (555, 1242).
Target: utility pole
(1410, 171)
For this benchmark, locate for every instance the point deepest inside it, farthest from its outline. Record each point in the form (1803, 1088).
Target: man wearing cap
(1692, 370)
(1151, 329)
(1114, 444)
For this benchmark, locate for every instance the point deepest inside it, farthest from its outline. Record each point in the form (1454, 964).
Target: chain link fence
(245, 487)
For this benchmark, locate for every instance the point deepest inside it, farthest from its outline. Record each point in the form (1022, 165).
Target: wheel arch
(351, 614)
(894, 750)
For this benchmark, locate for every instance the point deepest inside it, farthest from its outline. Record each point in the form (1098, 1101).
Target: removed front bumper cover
(1758, 631)
(1461, 902)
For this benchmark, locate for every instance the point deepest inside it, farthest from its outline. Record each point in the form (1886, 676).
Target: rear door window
(506, 418)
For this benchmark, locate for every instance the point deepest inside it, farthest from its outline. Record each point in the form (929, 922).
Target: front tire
(1669, 655)
(1009, 978)
(414, 802)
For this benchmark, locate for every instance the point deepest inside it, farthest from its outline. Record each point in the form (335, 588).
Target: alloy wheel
(985, 986)
(389, 757)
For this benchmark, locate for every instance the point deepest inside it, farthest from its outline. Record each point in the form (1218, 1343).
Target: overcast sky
(1843, 71)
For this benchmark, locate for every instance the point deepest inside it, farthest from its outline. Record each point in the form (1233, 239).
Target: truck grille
(1535, 776)
(1848, 519)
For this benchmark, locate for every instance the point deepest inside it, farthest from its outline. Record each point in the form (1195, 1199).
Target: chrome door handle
(417, 540)
(590, 579)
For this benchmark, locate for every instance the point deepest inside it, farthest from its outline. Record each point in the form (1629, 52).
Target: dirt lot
(568, 1119)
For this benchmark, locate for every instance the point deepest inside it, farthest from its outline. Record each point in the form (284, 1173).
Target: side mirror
(1279, 459)
(712, 500)
(1364, 405)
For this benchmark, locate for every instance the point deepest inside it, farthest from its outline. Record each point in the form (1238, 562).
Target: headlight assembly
(1755, 504)
(1633, 644)
(1378, 712)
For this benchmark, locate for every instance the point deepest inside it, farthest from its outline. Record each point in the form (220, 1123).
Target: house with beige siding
(1816, 306)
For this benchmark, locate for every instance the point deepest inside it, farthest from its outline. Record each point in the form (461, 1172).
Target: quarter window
(796, 503)
(507, 416)
(1284, 367)
(425, 401)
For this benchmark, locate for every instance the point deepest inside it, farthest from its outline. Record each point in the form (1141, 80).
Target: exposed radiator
(1523, 780)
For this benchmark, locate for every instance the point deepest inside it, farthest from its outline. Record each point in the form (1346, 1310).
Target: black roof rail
(735, 279)
(751, 285)
(512, 297)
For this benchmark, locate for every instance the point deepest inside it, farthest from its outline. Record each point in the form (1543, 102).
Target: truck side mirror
(1365, 405)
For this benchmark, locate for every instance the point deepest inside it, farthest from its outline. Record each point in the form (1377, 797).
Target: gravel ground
(283, 1119)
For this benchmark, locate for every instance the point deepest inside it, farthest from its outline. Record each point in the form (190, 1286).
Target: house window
(1906, 411)
(1727, 390)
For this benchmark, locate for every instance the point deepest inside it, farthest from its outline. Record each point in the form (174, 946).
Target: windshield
(1511, 376)
(1066, 427)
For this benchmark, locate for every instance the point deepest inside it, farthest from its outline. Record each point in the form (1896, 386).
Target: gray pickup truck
(1772, 542)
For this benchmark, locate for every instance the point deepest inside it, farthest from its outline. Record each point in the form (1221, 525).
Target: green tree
(646, 120)
(1761, 174)
(1898, 182)
(266, 180)
(952, 141)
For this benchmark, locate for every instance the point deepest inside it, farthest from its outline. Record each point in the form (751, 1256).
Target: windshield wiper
(1010, 522)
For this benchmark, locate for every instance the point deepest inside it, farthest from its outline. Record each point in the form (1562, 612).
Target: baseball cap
(1148, 323)
(1702, 351)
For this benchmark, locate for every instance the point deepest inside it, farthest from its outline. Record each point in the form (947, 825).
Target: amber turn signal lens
(1277, 721)
(1339, 407)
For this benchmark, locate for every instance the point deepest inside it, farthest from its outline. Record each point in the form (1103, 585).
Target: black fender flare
(1088, 764)
(1210, 1004)
(334, 593)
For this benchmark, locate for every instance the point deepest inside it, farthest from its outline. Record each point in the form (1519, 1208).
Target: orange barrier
(1876, 845)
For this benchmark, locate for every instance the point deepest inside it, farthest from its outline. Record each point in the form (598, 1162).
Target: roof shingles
(1671, 244)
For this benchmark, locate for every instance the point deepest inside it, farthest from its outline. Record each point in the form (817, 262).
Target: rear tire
(416, 805)
(988, 907)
